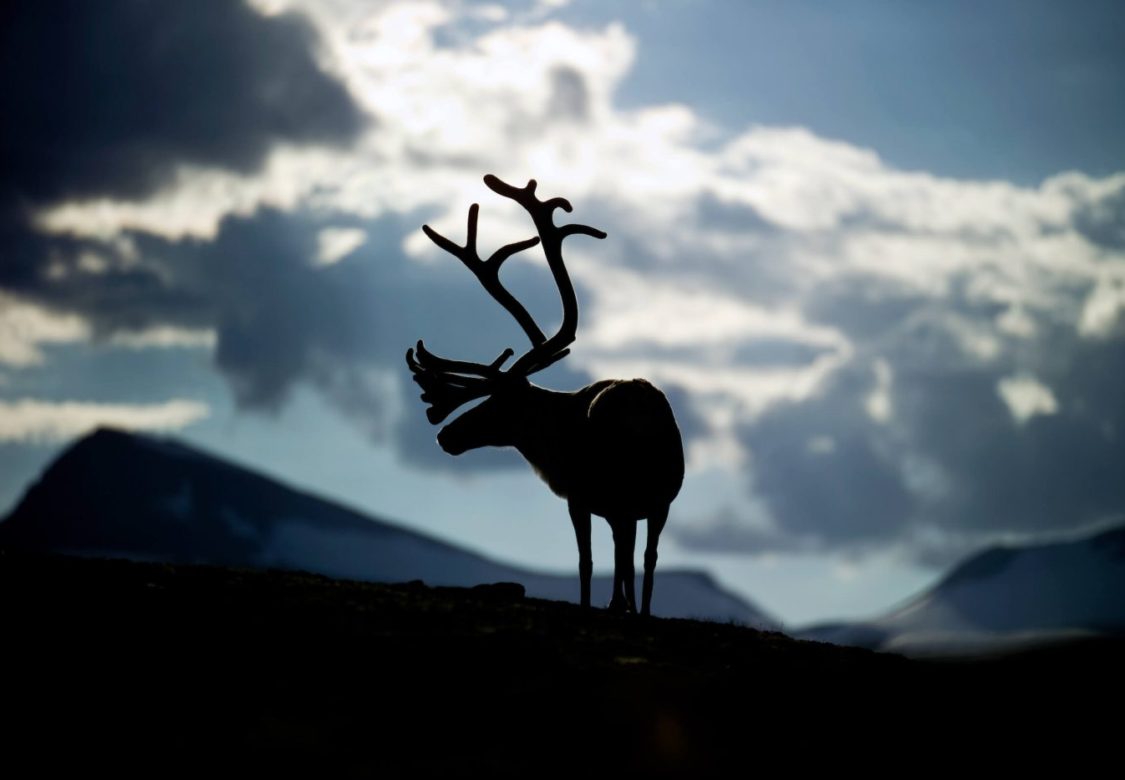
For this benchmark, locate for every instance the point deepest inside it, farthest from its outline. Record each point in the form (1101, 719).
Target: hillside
(1005, 597)
(161, 669)
(130, 496)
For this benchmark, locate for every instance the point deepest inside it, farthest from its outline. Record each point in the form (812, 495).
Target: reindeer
(612, 448)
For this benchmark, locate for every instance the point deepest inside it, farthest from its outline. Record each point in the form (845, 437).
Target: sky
(873, 253)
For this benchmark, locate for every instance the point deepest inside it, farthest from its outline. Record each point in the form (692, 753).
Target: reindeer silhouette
(612, 448)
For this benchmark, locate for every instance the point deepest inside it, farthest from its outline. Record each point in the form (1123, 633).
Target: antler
(544, 354)
(488, 271)
(447, 384)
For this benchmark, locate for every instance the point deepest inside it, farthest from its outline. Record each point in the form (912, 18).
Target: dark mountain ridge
(114, 494)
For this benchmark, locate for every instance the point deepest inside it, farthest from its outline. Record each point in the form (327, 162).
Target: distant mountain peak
(1006, 595)
(116, 493)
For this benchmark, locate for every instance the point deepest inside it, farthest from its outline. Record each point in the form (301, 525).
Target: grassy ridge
(119, 664)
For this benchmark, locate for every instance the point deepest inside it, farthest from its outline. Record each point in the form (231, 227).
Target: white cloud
(34, 420)
(165, 337)
(197, 200)
(479, 102)
(634, 308)
(25, 328)
(1104, 307)
(1016, 322)
(1026, 397)
(878, 403)
(821, 445)
(335, 243)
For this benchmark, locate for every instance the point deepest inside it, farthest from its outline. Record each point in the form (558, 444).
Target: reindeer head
(448, 384)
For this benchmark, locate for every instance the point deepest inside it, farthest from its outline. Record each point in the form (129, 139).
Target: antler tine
(553, 349)
(447, 384)
(445, 402)
(429, 362)
(487, 272)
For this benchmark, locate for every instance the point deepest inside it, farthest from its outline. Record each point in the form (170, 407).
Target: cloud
(30, 420)
(1026, 397)
(163, 337)
(112, 99)
(1101, 218)
(954, 466)
(122, 102)
(826, 469)
(25, 328)
(882, 357)
(333, 244)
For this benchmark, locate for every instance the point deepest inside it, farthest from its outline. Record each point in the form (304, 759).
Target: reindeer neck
(545, 417)
(552, 433)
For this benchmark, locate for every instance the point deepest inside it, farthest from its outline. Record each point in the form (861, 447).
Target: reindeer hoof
(620, 607)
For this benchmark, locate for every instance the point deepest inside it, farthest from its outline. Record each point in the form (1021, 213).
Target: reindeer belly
(636, 464)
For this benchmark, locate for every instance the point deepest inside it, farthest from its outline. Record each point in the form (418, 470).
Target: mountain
(114, 494)
(1005, 597)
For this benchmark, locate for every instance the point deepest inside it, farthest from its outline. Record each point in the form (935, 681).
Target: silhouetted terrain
(162, 669)
(121, 495)
(1005, 597)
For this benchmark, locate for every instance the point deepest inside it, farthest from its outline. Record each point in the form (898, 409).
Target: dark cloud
(282, 321)
(1049, 473)
(777, 352)
(951, 468)
(693, 427)
(109, 98)
(864, 307)
(130, 296)
(825, 470)
(716, 214)
(277, 315)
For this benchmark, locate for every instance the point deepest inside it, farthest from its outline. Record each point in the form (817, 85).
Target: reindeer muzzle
(450, 443)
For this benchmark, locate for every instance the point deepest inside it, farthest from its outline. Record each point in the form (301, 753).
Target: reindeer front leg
(624, 573)
(580, 518)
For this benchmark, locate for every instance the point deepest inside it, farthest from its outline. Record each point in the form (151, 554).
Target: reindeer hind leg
(656, 523)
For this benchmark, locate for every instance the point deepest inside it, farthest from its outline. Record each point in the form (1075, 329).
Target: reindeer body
(612, 448)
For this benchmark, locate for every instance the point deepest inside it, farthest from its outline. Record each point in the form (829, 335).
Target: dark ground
(163, 670)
